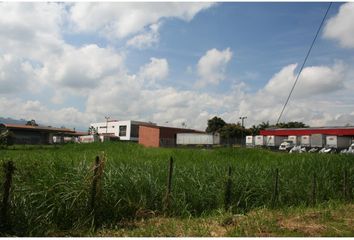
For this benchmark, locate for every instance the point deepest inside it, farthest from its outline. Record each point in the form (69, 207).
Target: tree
(231, 130)
(254, 130)
(32, 123)
(92, 130)
(6, 137)
(264, 125)
(291, 125)
(215, 124)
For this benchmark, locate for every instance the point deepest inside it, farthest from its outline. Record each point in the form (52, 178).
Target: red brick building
(157, 136)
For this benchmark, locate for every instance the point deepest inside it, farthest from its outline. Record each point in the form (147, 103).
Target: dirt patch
(218, 231)
(307, 224)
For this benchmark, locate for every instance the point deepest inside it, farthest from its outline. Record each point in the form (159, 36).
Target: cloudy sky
(75, 63)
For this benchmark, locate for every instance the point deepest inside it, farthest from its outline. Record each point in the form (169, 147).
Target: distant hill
(12, 121)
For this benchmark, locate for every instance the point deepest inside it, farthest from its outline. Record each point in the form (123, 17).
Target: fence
(95, 202)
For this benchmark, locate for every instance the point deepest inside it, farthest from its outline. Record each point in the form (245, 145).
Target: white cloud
(127, 99)
(341, 27)
(313, 80)
(81, 68)
(211, 67)
(33, 55)
(116, 95)
(118, 20)
(58, 97)
(157, 69)
(306, 104)
(31, 30)
(124, 96)
(146, 39)
(21, 109)
(16, 75)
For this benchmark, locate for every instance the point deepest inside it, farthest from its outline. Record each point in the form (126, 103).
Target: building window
(134, 131)
(122, 131)
(103, 127)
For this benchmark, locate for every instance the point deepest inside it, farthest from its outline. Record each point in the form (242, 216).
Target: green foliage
(232, 130)
(51, 186)
(32, 123)
(292, 125)
(255, 130)
(6, 137)
(215, 124)
(92, 130)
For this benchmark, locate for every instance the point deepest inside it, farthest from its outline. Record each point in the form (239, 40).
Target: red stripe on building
(308, 131)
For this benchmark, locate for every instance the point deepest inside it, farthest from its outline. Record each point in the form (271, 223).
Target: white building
(125, 130)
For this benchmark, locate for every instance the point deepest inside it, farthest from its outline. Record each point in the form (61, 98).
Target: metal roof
(174, 128)
(38, 128)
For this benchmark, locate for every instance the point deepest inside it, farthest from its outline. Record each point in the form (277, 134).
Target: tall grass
(51, 186)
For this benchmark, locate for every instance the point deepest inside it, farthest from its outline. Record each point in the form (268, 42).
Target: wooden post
(314, 189)
(276, 187)
(94, 190)
(228, 191)
(94, 184)
(169, 186)
(9, 169)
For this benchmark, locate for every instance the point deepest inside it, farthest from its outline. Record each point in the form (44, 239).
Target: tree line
(235, 130)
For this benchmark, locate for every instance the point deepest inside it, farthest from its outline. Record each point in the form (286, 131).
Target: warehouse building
(126, 130)
(318, 137)
(337, 131)
(158, 136)
(28, 134)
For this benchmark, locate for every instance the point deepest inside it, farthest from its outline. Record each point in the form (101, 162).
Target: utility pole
(242, 121)
(107, 123)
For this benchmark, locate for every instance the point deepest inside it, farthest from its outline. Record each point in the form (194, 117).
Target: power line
(303, 64)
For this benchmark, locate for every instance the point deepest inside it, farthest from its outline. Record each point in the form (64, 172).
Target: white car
(286, 145)
(350, 150)
(297, 149)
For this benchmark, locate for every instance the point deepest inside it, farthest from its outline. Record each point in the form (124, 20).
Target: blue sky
(74, 63)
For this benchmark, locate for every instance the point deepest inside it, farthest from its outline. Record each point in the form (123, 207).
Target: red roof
(338, 131)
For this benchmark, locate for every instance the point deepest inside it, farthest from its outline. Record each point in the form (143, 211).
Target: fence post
(314, 189)
(9, 169)
(94, 184)
(276, 187)
(228, 188)
(94, 190)
(169, 186)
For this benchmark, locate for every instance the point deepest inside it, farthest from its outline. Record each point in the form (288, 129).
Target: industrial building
(158, 136)
(126, 130)
(28, 134)
(318, 137)
(337, 131)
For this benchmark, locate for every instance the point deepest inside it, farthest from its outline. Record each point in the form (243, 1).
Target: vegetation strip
(52, 187)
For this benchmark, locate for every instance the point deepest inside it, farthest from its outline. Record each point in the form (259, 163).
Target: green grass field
(52, 185)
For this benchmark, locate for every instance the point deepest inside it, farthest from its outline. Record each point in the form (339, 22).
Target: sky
(71, 64)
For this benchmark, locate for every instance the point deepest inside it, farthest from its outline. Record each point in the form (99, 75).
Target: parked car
(286, 145)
